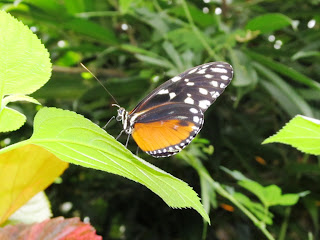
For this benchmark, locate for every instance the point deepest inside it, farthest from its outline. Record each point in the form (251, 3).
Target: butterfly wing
(168, 119)
(167, 129)
(199, 86)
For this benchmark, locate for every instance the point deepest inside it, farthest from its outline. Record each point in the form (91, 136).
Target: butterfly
(167, 119)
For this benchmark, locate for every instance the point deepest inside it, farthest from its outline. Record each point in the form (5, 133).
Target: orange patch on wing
(157, 135)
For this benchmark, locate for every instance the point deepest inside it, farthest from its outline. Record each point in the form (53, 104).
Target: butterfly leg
(137, 152)
(120, 134)
(128, 140)
(108, 122)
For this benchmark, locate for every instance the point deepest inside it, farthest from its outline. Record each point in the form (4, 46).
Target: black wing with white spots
(199, 86)
(166, 121)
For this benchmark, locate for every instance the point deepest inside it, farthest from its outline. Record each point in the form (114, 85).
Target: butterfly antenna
(99, 82)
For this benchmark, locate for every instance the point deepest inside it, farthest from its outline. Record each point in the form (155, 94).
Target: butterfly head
(123, 117)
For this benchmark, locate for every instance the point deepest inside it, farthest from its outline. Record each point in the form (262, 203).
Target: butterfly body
(167, 120)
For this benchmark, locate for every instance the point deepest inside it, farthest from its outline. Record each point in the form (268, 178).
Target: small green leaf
(11, 120)
(74, 139)
(301, 132)
(270, 195)
(269, 22)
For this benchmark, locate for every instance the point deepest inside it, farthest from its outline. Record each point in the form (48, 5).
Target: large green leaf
(24, 62)
(301, 132)
(74, 139)
(268, 22)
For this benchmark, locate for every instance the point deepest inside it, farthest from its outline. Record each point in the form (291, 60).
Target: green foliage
(301, 132)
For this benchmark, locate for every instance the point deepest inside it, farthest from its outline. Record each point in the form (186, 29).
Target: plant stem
(196, 30)
(284, 226)
(193, 161)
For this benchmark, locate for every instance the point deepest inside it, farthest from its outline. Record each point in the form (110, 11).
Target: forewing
(199, 86)
(166, 129)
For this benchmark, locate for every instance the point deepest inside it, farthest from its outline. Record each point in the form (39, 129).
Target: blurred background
(134, 46)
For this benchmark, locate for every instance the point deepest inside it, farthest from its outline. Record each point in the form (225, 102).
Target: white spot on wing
(220, 65)
(189, 100)
(192, 70)
(196, 119)
(214, 83)
(193, 110)
(219, 70)
(215, 94)
(176, 78)
(172, 95)
(163, 91)
(204, 104)
(203, 91)
(208, 76)
(186, 80)
(224, 77)
(202, 71)
(222, 85)
(190, 83)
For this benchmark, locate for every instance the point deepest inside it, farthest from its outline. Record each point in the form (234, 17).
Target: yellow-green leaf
(25, 171)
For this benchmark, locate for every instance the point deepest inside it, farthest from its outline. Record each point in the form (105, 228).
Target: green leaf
(305, 54)
(161, 62)
(11, 120)
(74, 139)
(281, 96)
(270, 195)
(124, 5)
(269, 22)
(283, 69)
(91, 29)
(174, 55)
(18, 97)
(301, 132)
(25, 63)
(284, 88)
